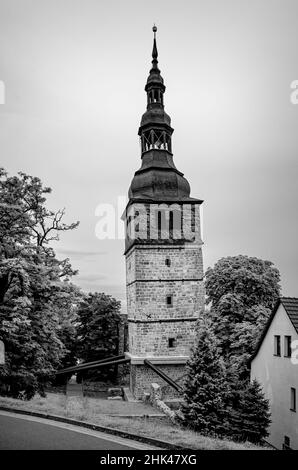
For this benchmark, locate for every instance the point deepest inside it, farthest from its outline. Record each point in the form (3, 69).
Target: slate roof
(290, 305)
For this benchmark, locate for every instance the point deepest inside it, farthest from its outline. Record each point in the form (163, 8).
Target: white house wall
(277, 375)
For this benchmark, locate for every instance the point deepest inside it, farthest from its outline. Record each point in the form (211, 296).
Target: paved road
(29, 433)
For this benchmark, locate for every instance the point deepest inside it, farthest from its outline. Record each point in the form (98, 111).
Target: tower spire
(158, 177)
(155, 129)
(154, 50)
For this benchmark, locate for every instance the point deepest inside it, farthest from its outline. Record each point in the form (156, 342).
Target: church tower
(163, 250)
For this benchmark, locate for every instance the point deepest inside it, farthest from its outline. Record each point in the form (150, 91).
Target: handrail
(94, 364)
(164, 376)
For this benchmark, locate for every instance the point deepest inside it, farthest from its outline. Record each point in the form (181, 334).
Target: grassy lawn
(108, 413)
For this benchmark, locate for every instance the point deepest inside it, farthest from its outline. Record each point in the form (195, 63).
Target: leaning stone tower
(163, 250)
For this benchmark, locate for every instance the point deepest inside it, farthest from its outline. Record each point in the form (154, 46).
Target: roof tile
(291, 306)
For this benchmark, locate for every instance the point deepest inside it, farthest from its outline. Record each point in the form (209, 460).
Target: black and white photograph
(148, 230)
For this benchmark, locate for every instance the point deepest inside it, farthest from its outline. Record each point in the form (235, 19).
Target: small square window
(293, 399)
(287, 346)
(172, 342)
(169, 300)
(276, 345)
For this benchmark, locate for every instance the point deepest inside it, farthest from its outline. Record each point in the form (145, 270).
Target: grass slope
(107, 413)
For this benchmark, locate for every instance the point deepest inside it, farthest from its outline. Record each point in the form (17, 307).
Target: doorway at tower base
(142, 376)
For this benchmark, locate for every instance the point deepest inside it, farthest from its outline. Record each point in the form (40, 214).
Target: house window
(287, 443)
(169, 300)
(168, 262)
(293, 399)
(287, 346)
(276, 345)
(172, 342)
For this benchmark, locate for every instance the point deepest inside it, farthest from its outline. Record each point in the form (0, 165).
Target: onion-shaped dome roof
(159, 179)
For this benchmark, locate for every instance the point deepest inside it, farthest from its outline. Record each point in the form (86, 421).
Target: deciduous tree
(241, 292)
(98, 336)
(33, 285)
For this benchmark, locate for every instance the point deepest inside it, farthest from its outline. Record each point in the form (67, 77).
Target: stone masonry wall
(148, 300)
(142, 377)
(165, 295)
(149, 285)
(152, 339)
(143, 262)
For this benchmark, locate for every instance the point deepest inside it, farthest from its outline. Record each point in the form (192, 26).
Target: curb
(96, 427)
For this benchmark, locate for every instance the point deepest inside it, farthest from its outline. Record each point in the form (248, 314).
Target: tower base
(142, 376)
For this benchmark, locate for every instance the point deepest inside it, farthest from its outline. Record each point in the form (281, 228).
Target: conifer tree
(205, 387)
(249, 419)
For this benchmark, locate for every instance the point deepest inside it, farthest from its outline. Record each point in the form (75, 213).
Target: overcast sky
(75, 71)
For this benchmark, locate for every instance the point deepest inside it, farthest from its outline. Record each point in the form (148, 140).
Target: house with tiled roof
(275, 365)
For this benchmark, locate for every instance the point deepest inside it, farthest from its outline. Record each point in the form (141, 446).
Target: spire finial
(154, 51)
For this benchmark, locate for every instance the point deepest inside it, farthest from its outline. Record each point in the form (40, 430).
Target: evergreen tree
(205, 387)
(249, 419)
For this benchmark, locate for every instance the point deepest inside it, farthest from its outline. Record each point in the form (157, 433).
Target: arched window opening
(171, 224)
(159, 224)
(137, 225)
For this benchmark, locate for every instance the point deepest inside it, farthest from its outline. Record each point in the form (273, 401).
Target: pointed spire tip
(154, 51)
